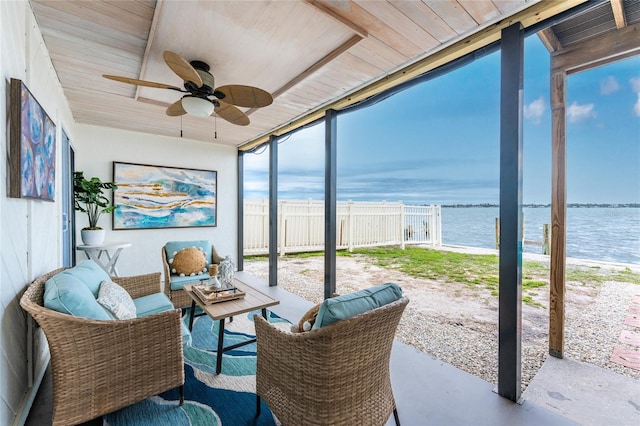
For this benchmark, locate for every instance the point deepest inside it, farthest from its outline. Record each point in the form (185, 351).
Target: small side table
(95, 253)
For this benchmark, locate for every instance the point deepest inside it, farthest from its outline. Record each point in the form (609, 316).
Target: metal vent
(632, 11)
(586, 25)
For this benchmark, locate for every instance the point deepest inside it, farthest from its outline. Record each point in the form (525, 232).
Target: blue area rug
(210, 399)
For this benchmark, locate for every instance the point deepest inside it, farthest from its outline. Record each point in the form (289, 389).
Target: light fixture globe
(197, 106)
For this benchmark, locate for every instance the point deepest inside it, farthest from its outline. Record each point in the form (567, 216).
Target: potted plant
(89, 199)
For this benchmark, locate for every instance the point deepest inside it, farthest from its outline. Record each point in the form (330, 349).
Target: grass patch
(308, 254)
(303, 255)
(533, 284)
(481, 269)
(600, 275)
(473, 270)
(529, 301)
(436, 265)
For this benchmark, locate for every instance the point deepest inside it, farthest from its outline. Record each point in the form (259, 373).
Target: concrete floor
(585, 393)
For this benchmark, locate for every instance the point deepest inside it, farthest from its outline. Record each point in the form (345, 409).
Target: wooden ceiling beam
(319, 64)
(618, 13)
(150, 39)
(315, 67)
(344, 21)
(549, 39)
(603, 49)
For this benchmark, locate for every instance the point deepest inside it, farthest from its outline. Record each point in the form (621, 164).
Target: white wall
(96, 150)
(30, 231)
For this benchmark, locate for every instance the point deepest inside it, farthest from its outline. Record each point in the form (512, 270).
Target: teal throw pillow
(90, 273)
(349, 305)
(67, 294)
(116, 301)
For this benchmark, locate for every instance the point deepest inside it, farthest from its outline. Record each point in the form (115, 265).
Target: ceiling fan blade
(141, 82)
(245, 96)
(176, 109)
(231, 114)
(182, 67)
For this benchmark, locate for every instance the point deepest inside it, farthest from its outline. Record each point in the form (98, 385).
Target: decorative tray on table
(216, 295)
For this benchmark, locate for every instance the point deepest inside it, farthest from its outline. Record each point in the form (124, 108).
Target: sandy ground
(458, 323)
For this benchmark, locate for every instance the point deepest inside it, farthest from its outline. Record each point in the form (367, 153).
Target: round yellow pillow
(188, 262)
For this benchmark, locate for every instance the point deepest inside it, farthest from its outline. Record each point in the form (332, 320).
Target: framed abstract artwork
(32, 146)
(150, 197)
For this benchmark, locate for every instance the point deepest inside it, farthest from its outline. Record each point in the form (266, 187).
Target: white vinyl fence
(359, 224)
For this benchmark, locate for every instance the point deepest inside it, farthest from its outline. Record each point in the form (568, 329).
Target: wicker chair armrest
(111, 336)
(140, 285)
(284, 359)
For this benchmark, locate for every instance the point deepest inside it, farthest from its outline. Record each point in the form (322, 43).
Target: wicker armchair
(336, 375)
(101, 366)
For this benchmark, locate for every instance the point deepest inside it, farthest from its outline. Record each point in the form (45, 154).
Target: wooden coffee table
(220, 311)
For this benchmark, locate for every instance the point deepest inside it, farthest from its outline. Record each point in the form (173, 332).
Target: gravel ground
(459, 325)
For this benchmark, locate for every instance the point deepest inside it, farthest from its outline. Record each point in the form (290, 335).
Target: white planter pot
(92, 237)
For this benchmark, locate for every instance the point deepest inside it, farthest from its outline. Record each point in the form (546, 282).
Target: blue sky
(438, 142)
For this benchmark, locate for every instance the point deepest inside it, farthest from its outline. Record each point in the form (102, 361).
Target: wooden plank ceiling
(306, 53)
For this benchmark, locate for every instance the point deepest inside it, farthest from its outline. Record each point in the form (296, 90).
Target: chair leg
(181, 391)
(395, 416)
(257, 405)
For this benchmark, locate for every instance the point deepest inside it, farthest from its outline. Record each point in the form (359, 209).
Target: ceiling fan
(202, 97)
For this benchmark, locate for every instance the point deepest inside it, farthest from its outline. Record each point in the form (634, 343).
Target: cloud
(577, 113)
(534, 110)
(609, 85)
(635, 86)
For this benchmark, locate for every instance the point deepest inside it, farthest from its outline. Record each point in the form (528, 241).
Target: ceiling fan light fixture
(197, 106)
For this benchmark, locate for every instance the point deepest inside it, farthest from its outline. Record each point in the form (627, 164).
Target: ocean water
(596, 233)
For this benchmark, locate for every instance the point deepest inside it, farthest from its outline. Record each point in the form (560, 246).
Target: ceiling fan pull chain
(215, 126)
(180, 126)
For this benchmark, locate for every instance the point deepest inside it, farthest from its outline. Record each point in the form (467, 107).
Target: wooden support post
(558, 214)
(546, 232)
(497, 233)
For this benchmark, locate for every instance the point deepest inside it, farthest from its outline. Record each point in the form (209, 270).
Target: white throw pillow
(116, 301)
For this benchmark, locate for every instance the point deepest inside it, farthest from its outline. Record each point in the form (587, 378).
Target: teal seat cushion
(90, 273)
(65, 293)
(177, 282)
(352, 304)
(156, 303)
(152, 304)
(172, 247)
